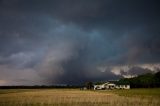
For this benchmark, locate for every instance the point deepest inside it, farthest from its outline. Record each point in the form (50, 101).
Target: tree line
(148, 80)
(40, 87)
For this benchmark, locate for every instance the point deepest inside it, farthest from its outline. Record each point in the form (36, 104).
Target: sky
(46, 42)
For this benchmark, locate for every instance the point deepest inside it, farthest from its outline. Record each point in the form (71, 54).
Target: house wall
(110, 86)
(123, 86)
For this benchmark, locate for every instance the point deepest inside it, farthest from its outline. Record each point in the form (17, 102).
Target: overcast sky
(74, 41)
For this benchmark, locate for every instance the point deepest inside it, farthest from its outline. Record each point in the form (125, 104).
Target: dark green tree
(89, 85)
(157, 79)
(148, 80)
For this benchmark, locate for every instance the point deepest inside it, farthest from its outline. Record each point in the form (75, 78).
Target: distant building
(122, 86)
(109, 85)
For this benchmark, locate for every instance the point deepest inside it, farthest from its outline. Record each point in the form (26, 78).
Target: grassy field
(75, 97)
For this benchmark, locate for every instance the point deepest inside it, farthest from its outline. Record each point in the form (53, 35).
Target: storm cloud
(73, 41)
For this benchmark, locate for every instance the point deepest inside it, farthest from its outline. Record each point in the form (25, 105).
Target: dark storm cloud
(73, 41)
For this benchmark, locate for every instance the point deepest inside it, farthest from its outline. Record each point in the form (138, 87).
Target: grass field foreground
(68, 97)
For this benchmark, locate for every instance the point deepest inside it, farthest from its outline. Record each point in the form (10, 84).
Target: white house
(122, 86)
(109, 85)
(106, 85)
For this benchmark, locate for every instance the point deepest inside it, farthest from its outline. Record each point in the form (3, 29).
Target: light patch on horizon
(3, 82)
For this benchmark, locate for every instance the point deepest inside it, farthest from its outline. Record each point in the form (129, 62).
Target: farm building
(122, 86)
(109, 85)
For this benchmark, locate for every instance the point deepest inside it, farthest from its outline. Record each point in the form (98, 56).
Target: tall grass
(141, 92)
(56, 97)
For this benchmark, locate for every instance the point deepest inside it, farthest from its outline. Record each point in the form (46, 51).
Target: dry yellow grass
(64, 97)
